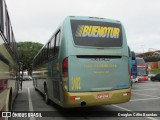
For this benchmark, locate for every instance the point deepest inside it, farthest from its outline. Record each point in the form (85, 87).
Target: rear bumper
(96, 98)
(142, 78)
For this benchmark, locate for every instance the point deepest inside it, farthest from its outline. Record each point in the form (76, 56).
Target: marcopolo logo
(97, 31)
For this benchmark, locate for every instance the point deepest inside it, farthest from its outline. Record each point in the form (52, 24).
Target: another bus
(9, 80)
(134, 67)
(84, 63)
(141, 70)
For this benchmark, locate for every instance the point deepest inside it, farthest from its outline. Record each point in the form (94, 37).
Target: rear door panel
(97, 73)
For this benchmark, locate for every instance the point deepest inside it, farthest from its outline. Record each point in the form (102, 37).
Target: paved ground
(145, 97)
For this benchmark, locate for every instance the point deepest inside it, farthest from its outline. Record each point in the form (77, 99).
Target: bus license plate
(102, 96)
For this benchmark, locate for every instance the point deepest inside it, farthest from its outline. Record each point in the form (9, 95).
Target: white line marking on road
(151, 83)
(151, 118)
(30, 103)
(145, 95)
(148, 85)
(122, 108)
(145, 89)
(145, 99)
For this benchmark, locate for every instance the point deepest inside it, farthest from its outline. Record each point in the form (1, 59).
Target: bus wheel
(46, 98)
(10, 102)
(35, 89)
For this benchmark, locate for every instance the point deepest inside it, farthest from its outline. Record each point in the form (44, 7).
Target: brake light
(65, 67)
(127, 94)
(74, 98)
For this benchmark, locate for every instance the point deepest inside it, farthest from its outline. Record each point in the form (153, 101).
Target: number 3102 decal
(76, 83)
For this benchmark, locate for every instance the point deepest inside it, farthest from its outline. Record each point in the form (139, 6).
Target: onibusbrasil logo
(23, 114)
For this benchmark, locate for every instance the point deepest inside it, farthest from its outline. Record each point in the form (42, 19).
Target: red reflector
(72, 98)
(128, 93)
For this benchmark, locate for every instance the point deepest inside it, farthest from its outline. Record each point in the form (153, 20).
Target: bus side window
(51, 48)
(47, 50)
(57, 36)
(4, 20)
(1, 15)
(7, 29)
(11, 39)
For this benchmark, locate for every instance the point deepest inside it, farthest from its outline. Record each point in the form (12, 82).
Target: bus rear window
(96, 34)
(140, 62)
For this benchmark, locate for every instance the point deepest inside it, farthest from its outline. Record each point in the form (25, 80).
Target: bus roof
(92, 19)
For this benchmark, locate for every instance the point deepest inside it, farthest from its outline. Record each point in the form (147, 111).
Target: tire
(10, 101)
(34, 85)
(35, 89)
(46, 98)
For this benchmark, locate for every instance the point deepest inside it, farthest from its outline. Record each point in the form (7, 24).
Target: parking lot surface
(144, 104)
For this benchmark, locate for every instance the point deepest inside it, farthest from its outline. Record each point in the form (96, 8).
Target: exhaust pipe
(83, 103)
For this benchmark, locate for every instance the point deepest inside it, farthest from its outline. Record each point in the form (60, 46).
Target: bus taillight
(65, 67)
(127, 94)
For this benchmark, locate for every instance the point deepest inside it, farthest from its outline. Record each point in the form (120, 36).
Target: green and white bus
(84, 63)
(9, 62)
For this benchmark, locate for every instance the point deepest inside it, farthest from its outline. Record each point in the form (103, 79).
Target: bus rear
(141, 70)
(96, 66)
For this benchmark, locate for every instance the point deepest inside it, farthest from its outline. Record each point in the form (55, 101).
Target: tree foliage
(27, 52)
